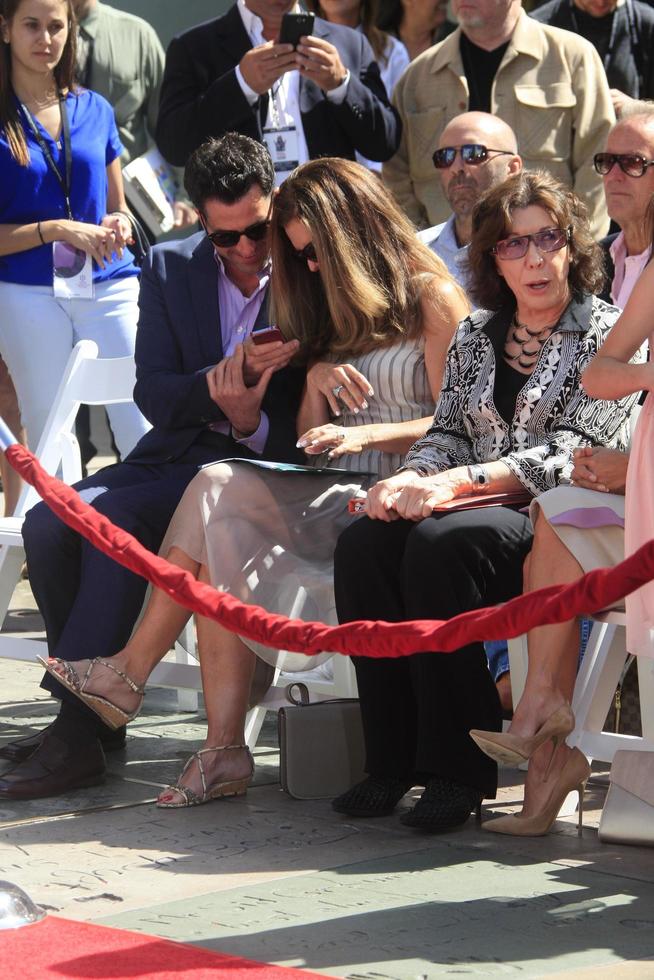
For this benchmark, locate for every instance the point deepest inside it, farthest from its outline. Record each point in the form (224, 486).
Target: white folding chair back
(87, 380)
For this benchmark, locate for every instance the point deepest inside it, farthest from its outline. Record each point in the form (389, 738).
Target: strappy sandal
(111, 714)
(231, 787)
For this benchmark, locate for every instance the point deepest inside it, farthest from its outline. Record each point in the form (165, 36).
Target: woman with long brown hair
(65, 271)
(375, 311)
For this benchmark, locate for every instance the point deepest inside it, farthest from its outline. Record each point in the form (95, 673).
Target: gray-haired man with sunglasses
(627, 171)
(476, 150)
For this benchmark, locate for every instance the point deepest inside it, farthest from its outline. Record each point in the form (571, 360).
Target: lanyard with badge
(72, 269)
(281, 140)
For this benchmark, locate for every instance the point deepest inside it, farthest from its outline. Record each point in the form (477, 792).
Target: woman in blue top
(61, 200)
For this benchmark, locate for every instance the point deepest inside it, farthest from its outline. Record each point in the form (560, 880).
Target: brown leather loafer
(22, 748)
(54, 768)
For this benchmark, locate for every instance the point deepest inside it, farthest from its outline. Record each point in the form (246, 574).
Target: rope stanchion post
(7, 438)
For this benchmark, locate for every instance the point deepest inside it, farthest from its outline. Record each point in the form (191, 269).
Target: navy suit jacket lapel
(203, 286)
(310, 94)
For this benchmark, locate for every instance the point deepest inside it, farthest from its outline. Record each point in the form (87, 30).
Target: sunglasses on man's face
(547, 240)
(306, 254)
(631, 164)
(471, 153)
(227, 239)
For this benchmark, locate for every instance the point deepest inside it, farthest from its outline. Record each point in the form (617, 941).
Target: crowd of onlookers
(413, 242)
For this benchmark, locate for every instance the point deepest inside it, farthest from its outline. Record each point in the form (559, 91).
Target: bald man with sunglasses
(476, 150)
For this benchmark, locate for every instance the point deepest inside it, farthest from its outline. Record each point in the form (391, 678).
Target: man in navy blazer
(231, 74)
(200, 300)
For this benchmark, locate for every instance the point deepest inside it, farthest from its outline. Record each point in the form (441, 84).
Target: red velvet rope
(597, 590)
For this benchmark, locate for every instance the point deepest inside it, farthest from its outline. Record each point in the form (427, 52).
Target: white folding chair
(595, 686)
(87, 380)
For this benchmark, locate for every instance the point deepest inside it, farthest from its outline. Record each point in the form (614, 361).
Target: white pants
(38, 332)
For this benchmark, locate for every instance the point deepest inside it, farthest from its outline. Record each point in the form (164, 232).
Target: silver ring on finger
(336, 391)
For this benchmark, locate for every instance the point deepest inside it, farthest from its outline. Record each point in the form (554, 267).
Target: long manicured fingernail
(301, 443)
(364, 404)
(370, 393)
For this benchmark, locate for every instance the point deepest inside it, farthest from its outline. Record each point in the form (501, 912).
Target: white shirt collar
(253, 23)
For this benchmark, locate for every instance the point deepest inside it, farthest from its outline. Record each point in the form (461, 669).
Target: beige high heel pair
(513, 749)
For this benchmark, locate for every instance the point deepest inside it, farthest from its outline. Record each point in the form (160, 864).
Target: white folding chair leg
(646, 689)
(187, 700)
(11, 566)
(256, 716)
(518, 662)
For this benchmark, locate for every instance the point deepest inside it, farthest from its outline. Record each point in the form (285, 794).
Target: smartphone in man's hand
(295, 26)
(267, 335)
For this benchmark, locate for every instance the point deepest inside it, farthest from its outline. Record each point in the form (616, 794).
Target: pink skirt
(639, 528)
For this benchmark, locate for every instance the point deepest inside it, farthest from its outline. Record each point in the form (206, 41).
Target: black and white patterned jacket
(553, 416)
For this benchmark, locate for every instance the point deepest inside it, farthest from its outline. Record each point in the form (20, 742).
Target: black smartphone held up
(295, 26)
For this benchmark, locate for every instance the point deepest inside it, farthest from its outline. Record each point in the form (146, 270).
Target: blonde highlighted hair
(373, 269)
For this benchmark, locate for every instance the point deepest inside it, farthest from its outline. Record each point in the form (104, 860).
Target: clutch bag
(628, 814)
(321, 748)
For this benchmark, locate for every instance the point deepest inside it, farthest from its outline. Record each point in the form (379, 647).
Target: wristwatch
(479, 478)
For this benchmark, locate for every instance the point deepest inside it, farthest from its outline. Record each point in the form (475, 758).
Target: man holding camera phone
(210, 394)
(303, 86)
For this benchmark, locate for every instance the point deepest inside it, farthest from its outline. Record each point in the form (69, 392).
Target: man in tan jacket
(547, 84)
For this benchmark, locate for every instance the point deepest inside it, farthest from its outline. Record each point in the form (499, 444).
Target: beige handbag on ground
(321, 749)
(628, 814)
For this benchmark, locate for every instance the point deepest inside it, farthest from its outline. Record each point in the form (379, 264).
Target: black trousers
(417, 711)
(89, 602)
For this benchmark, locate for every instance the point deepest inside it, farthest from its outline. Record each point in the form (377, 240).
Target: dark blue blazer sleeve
(171, 363)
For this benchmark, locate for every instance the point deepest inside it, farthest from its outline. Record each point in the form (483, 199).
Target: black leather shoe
(54, 768)
(22, 748)
(443, 806)
(376, 796)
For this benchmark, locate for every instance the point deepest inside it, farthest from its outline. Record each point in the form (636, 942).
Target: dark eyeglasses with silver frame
(631, 164)
(471, 153)
(547, 240)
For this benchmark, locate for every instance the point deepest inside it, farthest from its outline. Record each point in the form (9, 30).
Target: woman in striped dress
(375, 311)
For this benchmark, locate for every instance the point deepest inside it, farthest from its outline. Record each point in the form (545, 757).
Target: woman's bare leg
(552, 669)
(162, 622)
(553, 650)
(227, 666)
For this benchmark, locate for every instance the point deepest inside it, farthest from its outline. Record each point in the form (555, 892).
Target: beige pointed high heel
(573, 776)
(513, 749)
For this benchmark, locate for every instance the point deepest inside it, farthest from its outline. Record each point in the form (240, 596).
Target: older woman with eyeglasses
(510, 414)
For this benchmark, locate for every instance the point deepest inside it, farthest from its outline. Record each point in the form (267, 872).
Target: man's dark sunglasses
(226, 239)
(471, 153)
(306, 254)
(631, 164)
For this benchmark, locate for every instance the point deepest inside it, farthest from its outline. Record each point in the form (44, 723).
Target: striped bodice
(402, 393)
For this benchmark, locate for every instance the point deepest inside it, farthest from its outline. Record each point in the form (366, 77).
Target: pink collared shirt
(627, 270)
(238, 314)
